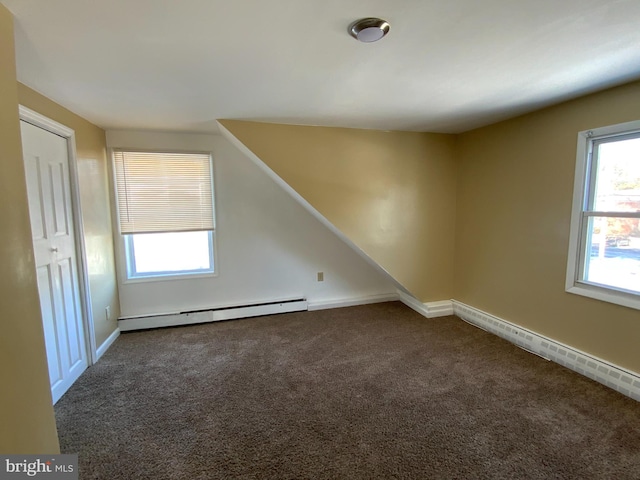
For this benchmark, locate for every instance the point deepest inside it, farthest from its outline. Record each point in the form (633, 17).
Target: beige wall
(514, 204)
(26, 415)
(93, 181)
(391, 193)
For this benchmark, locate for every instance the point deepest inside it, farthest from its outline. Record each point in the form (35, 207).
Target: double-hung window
(165, 203)
(604, 250)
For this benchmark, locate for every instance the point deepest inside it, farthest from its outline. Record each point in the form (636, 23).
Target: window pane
(618, 176)
(171, 252)
(613, 252)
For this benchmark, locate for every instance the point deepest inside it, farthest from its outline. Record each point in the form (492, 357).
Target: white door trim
(52, 126)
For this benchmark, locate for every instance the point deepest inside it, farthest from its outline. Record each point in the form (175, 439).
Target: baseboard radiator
(617, 378)
(211, 315)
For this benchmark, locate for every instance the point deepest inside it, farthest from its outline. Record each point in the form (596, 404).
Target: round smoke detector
(369, 29)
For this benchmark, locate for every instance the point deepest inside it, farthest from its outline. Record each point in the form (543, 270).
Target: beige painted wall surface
(390, 193)
(93, 180)
(514, 206)
(26, 412)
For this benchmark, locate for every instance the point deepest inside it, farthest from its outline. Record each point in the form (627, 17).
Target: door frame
(39, 120)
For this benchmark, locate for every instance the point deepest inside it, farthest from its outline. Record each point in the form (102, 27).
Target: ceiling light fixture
(369, 29)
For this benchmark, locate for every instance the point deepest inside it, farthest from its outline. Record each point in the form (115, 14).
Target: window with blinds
(165, 204)
(163, 192)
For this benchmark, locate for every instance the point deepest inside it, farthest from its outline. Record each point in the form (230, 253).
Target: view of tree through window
(613, 229)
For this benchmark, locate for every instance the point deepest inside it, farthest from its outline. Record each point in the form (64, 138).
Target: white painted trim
(302, 201)
(580, 174)
(45, 123)
(350, 302)
(440, 308)
(188, 318)
(412, 303)
(443, 308)
(35, 118)
(107, 343)
(606, 294)
(617, 378)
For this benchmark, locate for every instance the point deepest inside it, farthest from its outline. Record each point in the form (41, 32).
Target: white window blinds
(163, 192)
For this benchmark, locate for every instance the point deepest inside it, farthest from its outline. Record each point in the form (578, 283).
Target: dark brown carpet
(366, 392)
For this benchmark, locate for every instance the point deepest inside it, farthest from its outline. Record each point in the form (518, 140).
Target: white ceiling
(446, 66)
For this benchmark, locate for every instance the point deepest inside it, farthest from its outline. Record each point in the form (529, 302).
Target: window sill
(605, 294)
(166, 278)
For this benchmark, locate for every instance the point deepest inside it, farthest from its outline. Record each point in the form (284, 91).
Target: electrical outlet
(107, 311)
(321, 276)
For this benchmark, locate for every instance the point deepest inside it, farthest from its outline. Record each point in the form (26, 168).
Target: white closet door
(46, 160)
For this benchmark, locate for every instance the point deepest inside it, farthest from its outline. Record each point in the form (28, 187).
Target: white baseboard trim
(351, 302)
(617, 378)
(441, 308)
(107, 343)
(213, 315)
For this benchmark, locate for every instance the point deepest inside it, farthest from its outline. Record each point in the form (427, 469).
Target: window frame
(131, 275)
(122, 249)
(584, 184)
